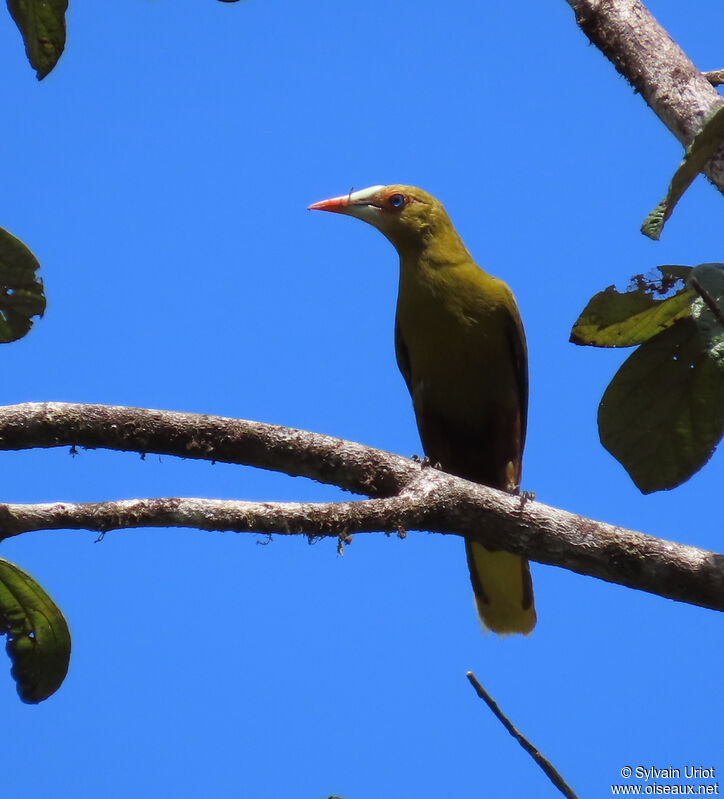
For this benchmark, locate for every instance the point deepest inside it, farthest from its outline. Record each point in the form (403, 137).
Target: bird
(461, 349)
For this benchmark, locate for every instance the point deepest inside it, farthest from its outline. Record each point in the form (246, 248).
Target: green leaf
(42, 25)
(662, 415)
(698, 154)
(38, 638)
(623, 319)
(21, 292)
(707, 308)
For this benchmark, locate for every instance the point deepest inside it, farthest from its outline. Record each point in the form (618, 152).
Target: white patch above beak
(363, 195)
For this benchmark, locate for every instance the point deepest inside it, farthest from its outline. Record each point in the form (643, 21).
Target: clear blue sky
(161, 176)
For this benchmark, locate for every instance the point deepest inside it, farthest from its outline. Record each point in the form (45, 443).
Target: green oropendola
(461, 348)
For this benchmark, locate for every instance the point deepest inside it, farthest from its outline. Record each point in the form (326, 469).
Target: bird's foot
(426, 463)
(525, 496)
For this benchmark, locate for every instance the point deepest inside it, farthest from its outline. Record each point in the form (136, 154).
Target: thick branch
(425, 499)
(644, 53)
(298, 453)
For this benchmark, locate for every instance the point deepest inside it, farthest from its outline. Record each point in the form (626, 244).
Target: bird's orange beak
(335, 204)
(350, 203)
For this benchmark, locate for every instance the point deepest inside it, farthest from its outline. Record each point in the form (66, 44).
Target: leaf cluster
(662, 415)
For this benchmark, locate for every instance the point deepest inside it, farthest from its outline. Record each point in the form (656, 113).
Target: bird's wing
(519, 354)
(403, 356)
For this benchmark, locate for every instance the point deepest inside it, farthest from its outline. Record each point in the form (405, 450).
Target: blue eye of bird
(397, 201)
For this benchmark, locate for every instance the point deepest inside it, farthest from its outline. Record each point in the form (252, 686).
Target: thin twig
(543, 762)
(715, 77)
(711, 304)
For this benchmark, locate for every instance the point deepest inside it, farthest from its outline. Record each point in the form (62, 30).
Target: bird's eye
(397, 200)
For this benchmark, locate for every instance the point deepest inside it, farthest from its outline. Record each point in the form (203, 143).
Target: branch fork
(402, 495)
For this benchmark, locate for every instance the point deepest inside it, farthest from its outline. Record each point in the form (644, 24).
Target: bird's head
(408, 216)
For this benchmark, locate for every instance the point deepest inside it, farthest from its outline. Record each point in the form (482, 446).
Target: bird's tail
(503, 589)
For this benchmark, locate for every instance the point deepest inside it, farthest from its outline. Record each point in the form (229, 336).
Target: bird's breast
(453, 328)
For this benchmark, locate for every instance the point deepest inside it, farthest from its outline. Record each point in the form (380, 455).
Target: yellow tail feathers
(503, 590)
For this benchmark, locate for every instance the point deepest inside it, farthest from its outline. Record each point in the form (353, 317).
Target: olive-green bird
(461, 349)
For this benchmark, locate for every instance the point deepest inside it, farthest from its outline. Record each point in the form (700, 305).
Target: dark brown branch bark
(644, 53)
(407, 496)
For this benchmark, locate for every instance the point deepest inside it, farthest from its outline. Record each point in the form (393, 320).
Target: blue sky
(161, 175)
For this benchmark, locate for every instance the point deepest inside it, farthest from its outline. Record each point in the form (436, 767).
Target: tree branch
(644, 53)
(548, 768)
(715, 77)
(298, 453)
(406, 496)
